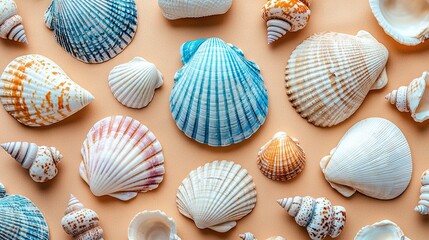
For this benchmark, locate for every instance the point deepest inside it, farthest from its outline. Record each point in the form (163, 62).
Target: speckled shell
(37, 92)
(217, 195)
(175, 9)
(152, 225)
(373, 158)
(250, 236)
(121, 157)
(20, 218)
(423, 206)
(384, 230)
(81, 222)
(10, 22)
(317, 215)
(414, 98)
(40, 161)
(281, 158)
(219, 97)
(93, 31)
(329, 75)
(283, 16)
(133, 84)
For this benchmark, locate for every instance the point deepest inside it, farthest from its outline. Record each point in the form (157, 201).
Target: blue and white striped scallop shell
(20, 219)
(92, 31)
(219, 97)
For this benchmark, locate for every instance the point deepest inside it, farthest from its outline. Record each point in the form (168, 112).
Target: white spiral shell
(11, 23)
(423, 206)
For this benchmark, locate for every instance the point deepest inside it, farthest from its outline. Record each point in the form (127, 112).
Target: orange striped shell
(281, 158)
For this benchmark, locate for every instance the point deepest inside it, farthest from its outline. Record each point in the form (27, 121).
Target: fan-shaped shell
(217, 195)
(175, 9)
(93, 31)
(423, 206)
(20, 218)
(373, 158)
(219, 97)
(281, 158)
(405, 21)
(37, 92)
(10, 22)
(133, 84)
(121, 157)
(152, 225)
(329, 75)
(384, 230)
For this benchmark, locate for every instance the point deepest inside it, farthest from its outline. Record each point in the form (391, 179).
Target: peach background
(158, 40)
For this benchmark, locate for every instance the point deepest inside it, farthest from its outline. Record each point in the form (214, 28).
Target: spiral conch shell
(283, 16)
(250, 236)
(281, 158)
(81, 222)
(40, 161)
(10, 22)
(317, 215)
(423, 207)
(414, 98)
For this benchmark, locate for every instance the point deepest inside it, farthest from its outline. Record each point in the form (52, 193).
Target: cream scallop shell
(329, 75)
(152, 225)
(217, 195)
(384, 230)
(133, 84)
(121, 157)
(373, 158)
(405, 21)
(175, 9)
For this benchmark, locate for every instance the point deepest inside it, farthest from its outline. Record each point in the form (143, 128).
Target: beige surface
(159, 40)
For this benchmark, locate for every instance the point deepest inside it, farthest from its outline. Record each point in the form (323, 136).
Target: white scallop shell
(175, 9)
(133, 84)
(121, 157)
(329, 75)
(217, 195)
(10, 22)
(152, 225)
(384, 230)
(373, 158)
(405, 21)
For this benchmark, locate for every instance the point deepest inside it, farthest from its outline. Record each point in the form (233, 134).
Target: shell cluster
(152, 225)
(41, 162)
(175, 9)
(384, 230)
(10, 22)
(423, 205)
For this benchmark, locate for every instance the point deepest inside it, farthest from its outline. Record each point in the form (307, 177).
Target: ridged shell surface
(121, 157)
(93, 31)
(217, 195)
(281, 158)
(219, 97)
(152, 225)
(133, 84)
(373, 158)
(20, 218)
(329, 75)
(175, 9)
(37, 92)
(10, 22)
(423, 205)
(384, 230)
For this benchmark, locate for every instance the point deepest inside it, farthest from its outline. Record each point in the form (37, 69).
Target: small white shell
(423, 207)
(133, 84)
(250, 236)
(152, 225)
(10, 22)
(384, 230)
(175, 9)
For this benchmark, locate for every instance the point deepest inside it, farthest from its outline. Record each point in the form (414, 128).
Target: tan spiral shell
(10, 22)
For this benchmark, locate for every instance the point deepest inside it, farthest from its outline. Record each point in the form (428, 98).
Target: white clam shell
(175, 9)
(384, 230)
(152, 225)
(133, 84)
(373, 158)
(423, 206)
(10, 22)
(217, 195)
(405, 21)
(329, 75)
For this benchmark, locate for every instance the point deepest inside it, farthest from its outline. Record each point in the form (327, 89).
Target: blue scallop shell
(219, 97)
(20, 219)
(93, 31)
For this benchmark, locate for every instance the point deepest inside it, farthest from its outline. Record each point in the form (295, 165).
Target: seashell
(283, 16)
(40, 161)
(20, 218)
(405, 21)
(81, 222)
(329, 75)
(413, 98)
(152, 225)
(121, 157)
(217, 195)
(423, 207)
(384, 230)
(219, 97)
(317, 215)
(11, 23)
(133, 84)
(37, 92)
(281, 158)
(175, 9)
(373, 158)
(92, 31)
(250, 236)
